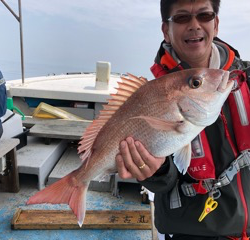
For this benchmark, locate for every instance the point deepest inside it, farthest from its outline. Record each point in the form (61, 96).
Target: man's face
(191, 41)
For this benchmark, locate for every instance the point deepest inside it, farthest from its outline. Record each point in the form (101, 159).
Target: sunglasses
(183, 18)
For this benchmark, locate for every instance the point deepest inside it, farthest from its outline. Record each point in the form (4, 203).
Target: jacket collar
(222, 52)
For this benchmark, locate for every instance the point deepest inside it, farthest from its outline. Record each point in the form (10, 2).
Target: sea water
(11, 69)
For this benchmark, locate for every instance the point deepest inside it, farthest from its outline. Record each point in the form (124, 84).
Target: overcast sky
(71, 36)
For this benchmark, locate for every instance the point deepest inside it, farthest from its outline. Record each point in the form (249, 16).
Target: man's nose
(194, 24)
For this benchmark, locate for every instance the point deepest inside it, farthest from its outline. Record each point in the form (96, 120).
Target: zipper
(235, 152)
(239, 182)
(243, 199)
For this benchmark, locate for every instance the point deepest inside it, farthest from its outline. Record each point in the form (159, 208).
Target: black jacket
(228, 218)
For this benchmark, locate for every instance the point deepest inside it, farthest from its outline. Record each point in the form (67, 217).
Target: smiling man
(190, 30)
(212, 200)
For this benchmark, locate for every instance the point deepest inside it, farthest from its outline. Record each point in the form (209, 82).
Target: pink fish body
(164, 114)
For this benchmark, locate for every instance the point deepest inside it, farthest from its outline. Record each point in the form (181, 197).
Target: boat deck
(10, 202)
(75, 88)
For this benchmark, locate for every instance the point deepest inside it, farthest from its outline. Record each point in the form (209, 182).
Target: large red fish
(164, 114)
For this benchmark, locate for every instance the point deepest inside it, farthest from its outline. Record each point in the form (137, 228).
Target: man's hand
(134, 161)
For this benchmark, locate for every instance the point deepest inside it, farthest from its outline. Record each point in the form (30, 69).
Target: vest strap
(227, 176)
(175, 200)
(224, 179)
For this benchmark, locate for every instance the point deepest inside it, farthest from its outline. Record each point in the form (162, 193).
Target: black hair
(167, 4)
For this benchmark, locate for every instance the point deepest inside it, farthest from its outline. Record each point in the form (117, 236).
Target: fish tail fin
(68, 191)
(78, 203)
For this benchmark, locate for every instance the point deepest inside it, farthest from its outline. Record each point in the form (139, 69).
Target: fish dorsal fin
(125, 89)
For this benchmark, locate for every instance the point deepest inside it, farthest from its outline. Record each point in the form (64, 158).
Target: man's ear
(216, 26)
(164, 28)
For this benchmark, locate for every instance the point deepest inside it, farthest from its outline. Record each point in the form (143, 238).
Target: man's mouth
(194, 40)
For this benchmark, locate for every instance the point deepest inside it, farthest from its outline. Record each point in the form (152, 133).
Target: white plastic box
(102, 75)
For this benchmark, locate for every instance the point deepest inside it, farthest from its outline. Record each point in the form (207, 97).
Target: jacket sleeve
(164, 179)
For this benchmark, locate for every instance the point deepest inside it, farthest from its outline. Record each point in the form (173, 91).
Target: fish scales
(136, 105)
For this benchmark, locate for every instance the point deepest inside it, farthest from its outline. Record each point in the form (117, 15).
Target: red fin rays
(78, 203)
(126, 88)
(67, 191)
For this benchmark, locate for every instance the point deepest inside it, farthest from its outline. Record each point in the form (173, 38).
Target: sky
(71, 36)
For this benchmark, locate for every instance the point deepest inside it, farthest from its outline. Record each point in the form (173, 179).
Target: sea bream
(164, 114)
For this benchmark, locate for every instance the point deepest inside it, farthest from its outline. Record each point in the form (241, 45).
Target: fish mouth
(237, 76)
(226, 83)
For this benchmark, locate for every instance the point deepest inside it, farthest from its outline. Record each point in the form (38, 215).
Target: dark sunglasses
(186, 17)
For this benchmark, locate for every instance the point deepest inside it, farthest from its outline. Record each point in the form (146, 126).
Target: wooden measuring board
(95, 219)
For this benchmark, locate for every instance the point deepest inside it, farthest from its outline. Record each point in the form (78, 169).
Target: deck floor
(131, 200)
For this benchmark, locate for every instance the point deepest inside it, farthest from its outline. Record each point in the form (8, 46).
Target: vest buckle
(215, 193)
(231, 172)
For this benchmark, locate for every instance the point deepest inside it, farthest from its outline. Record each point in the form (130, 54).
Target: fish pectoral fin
(182, 158)
(160, 124)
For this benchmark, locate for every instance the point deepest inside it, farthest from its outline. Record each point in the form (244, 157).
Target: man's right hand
(134, 161)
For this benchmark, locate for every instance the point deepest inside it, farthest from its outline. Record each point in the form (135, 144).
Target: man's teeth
(194, 40)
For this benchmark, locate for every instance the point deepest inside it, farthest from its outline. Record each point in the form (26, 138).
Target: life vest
(202, 166)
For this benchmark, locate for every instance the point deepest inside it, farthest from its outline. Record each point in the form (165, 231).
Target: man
(2, 100)
(219, 171)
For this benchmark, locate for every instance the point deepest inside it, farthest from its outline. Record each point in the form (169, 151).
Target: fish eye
(195, 82)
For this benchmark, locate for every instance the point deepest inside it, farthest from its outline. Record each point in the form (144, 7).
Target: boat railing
(19, 19)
